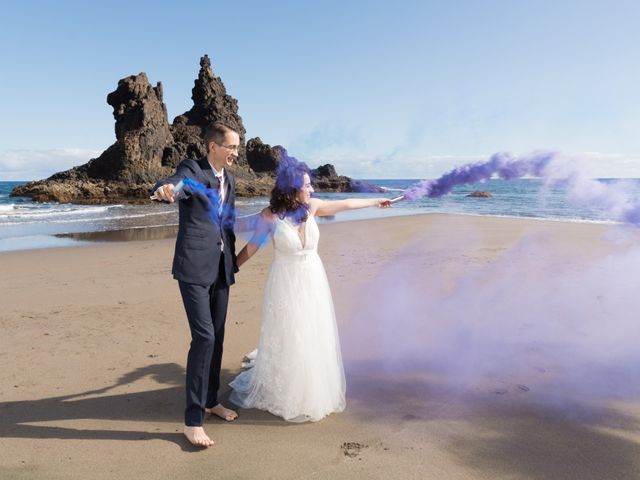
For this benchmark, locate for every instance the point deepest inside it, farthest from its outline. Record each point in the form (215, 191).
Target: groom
(204, 265)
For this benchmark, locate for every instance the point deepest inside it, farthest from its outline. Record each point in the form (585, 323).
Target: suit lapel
(212, 181)
(229, 186)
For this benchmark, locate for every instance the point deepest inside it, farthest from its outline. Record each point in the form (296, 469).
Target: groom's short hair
(215, 132)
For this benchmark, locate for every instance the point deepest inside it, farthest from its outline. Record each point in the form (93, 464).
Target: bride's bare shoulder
(314, 204)
(267, 215)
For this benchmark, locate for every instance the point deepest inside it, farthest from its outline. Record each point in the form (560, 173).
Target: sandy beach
(94, 341)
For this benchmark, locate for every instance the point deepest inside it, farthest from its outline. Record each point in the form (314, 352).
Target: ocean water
(26, 224)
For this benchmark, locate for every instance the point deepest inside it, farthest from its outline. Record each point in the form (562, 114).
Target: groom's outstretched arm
(164, 189)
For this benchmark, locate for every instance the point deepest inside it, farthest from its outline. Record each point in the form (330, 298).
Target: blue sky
(402, 89)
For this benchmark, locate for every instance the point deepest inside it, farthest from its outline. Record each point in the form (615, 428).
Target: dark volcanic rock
(142, 134)
(210, 104)
(359, 186)
(127, 168)
(326, 178)
(480, 194)
(263, 158)
(148, 148)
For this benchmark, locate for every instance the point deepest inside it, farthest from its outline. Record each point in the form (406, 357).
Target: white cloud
(329, 136)
(39, 164)
(611, 165)
(393, 165)
(399, 165)
(18, 165)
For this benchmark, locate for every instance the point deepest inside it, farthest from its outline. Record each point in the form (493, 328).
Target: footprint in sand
(352, 449)
(408, 417)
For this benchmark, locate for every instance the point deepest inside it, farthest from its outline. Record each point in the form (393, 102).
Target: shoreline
(28, 225)
(158, 232)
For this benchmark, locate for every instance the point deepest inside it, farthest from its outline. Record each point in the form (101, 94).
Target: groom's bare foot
(197, 436)
(222, 412)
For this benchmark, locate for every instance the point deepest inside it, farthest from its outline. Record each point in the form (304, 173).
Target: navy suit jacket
(199, 241)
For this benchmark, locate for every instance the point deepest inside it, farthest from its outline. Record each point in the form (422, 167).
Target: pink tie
(220, 192)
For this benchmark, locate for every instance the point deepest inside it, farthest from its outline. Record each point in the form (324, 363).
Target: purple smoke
(211, 198)
(502, 164)
(555, 169)
(289, 180)
(545, 318)
(290, 173)
(545, 323)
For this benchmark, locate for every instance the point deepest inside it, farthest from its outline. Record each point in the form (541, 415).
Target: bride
(297, 373)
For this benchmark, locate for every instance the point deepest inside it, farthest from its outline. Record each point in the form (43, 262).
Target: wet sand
(124, 235)
(94, 343)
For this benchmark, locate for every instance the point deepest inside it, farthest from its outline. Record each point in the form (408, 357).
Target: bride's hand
(383, 203)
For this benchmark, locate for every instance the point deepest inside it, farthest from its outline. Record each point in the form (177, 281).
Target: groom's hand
(165, 193)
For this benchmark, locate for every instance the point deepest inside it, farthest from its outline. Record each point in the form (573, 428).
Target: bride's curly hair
(289, 182)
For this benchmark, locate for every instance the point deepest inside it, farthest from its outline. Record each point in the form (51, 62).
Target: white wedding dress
(297, 373)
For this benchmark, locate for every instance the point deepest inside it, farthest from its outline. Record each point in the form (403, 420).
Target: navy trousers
(206, 308)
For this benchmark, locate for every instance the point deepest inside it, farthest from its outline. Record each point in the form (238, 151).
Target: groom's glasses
(233, 148)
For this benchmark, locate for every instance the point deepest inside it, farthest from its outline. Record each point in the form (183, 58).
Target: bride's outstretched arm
(323, 208)
(263, 230)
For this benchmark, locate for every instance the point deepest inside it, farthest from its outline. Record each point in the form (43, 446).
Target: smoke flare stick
(176, 189)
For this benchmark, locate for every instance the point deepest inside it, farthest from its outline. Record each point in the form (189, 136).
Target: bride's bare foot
(197, 436)
(222, 412)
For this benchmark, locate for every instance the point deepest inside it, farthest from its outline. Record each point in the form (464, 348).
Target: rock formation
(480, 194)
(326, 179)
(210, 104)
(263, 160)
(148, 148)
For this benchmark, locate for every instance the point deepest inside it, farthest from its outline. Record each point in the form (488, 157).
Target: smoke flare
(555, 169)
